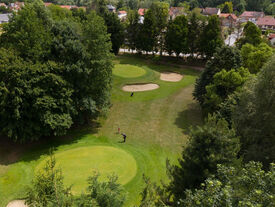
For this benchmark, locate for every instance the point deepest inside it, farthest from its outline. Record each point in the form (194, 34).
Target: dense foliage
(48, 190)
(209, 145)
(60, 69)
(248, 186)
(254, 116)
(225, 58)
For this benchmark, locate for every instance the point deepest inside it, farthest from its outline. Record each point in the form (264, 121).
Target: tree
(252, 35)
(254, 57)
(209, 145)
(255, 5)
(48, 190)
(36, 88)
(211, 37)
(253, 116)
(225, 58)
(227, 7)
(28, 32)
(115, 29)
(133, 28)
(224, 84)
(176, 36)
(248, 186)
(194, 28)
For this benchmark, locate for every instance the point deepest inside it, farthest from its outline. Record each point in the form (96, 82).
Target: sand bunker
(17, 203)
(172, 77)
(140, 87)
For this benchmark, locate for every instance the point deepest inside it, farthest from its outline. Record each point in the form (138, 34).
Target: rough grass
(156, 124)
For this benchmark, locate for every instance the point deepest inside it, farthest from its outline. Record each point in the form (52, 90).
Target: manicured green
(128, 71)
(83, 161)
(156, 124)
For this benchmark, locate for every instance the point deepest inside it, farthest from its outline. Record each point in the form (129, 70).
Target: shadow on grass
(191, 116)
(11, 152)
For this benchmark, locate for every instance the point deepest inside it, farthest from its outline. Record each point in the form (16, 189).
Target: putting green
(128, 71)
(80, 163)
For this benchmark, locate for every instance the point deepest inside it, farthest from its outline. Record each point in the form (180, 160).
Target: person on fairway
(132, 94)
(124, 137)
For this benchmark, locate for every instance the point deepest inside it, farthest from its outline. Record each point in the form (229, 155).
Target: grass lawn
(156, 124)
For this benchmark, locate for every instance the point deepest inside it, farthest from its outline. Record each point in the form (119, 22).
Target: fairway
(156, 123)
(84, 161)
(128, 71)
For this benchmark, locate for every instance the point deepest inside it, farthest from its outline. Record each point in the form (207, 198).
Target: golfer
(124, 137)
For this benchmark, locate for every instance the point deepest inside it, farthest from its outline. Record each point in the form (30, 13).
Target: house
(228, 20)
(209, 11)
(3, 5)
(266, 23)
(176, 11)
(47, 4)
(122, 15)
(271, 38)
(4, 18)
(111, 8)
(142, 11)
(66, 6)
(251, 16)
(16, 6)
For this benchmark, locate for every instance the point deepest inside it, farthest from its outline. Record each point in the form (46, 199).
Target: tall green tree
(209, 145)
(194, 33)
(133, 28)
(254, 116)
(211, 37)
(248, 186)
(252, 35)
(225, 58)
(254, 57)
(115, 29)
(227, 7)
(37, 88)
(176, 36)
(224, 84)
(28, 32)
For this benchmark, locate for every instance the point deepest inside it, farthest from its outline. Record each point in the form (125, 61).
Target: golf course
(155, 113)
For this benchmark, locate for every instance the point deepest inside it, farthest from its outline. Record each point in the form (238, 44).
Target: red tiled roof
(267, 20)
(122, 12)
(252, 14)
(225, 15)
(210, 11)
(141, 11)
(47, 4)
(176, 10)
(271, 36)
(66, 6)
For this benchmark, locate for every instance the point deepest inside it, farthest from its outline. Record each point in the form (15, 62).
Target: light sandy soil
(17, 203)
(172, 77)
(140, 87)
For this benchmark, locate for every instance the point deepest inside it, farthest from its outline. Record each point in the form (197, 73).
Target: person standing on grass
(124, 137)
(132, 94)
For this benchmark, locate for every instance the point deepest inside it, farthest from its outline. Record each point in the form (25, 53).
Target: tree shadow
(191, 116)
(12, 152)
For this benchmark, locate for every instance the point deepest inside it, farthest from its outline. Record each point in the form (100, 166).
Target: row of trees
(193, 34)
(55, 70)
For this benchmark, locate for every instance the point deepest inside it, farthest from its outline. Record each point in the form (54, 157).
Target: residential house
(67, 6)
(47, 4)
(16, 6)
(4, 5)
(209, 11)
(228, 20)
(111, 8)
(122, 15)
(266, 23)
(141, 13)
(176, 11)
(271, 38)
(4, 18)
(251, 16)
